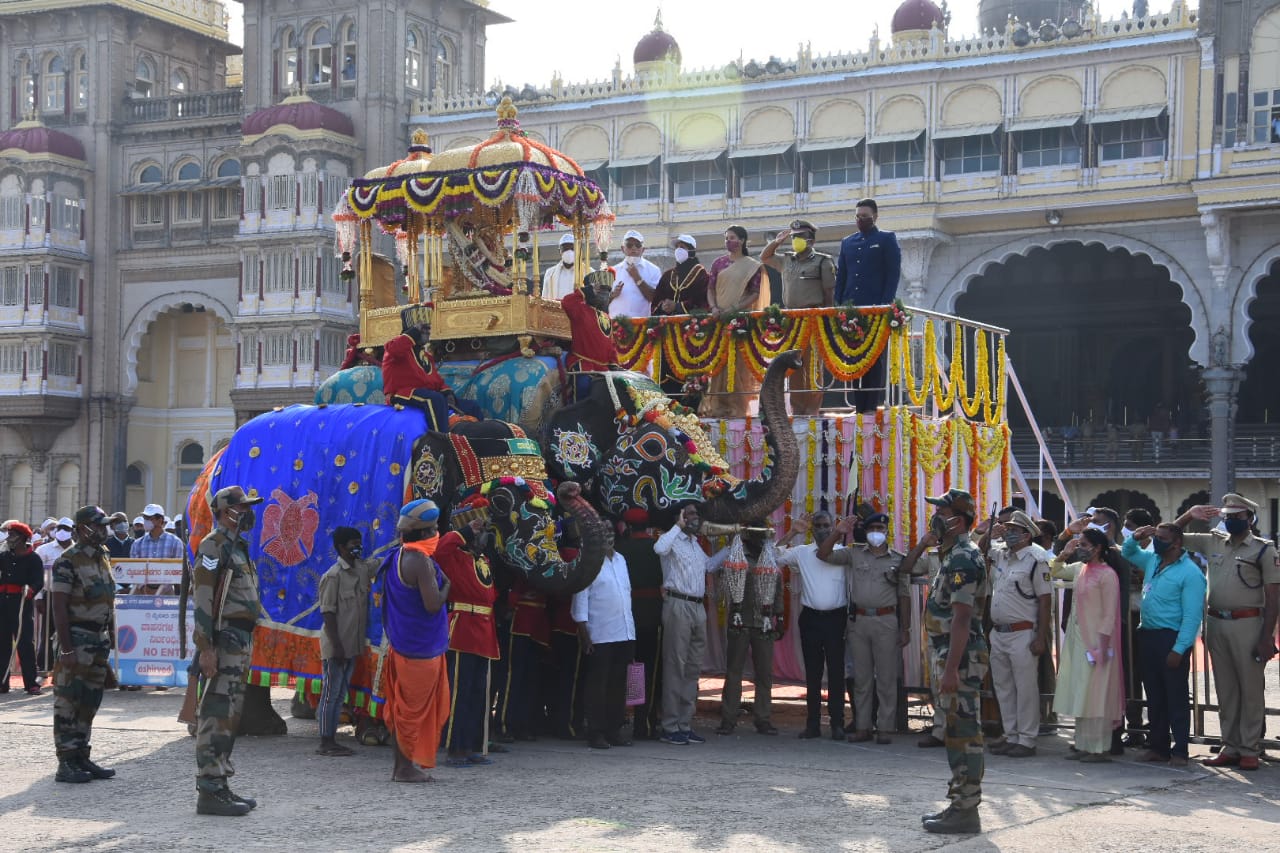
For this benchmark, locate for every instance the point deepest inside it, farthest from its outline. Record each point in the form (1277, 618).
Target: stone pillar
(1223, 385)
(917, 251)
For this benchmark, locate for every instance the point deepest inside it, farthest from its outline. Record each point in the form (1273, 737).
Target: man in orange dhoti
(416, 624)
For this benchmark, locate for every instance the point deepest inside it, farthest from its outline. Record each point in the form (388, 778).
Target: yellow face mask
(799, 244)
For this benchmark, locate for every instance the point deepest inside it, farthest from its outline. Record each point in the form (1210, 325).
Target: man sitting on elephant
(592, 347)
(407, 381)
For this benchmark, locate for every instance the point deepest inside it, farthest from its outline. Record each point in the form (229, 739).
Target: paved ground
(743, 792)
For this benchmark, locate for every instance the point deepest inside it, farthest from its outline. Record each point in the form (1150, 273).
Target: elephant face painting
(640, 456)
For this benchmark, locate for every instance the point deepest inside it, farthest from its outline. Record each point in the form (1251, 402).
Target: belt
(10, 589)
(671, 593)
(1013, 626)
(879, 611)
(1242, 613)
(478, 609)
(523, 603)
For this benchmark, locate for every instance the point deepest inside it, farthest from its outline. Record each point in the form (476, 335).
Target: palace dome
(658, 46)
(34, 138)
(916, 15)
(300, 113)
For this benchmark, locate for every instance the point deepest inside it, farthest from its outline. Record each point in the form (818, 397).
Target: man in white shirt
(557, 281)
(607, 632)
(824, 614)
(637, 279)
(684, 625)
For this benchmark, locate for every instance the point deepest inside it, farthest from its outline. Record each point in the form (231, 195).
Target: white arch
(1241, 344)
(147, 315)
(959, 282)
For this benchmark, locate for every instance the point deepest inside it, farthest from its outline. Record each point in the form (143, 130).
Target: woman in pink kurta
(1091, 676)
(736, 284)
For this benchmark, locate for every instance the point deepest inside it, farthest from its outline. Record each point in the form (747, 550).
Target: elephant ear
(573, 448)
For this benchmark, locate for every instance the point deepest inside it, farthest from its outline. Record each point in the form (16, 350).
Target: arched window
(82, 80)
(133, 475)
(444, 65)
(27, 84)
(190, 461)
(320, 56)
(178, 83)
(67, 488)
(20, 479)
(413, 61)
(144, 82)
(229, 169)
(189, 172)
(288, 59)
(150, 175)
(348, 52)
(54, 84)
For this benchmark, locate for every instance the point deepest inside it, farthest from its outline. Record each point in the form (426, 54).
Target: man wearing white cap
(637, 279)
(156, 543)
(557, 281)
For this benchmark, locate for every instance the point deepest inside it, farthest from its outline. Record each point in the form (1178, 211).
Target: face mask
(1235, 526)
(148, 525)
(799, 244)
(938, 525)
(1013, 540)
(120, 530)
(1160, 546)
(248, 518)
(866, 227)
(682, 255)
(1126, 533)
(355, 551)
(732, 245)
(567, 256)
(62, 535)
(1092, 526)
(875, 538)
(428, 545)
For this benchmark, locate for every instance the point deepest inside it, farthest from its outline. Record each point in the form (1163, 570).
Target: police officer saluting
(83, 601)
(1244, 590)
(808, 281)
(225, 589)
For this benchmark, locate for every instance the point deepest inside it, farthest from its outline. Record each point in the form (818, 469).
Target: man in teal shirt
(1173, 589)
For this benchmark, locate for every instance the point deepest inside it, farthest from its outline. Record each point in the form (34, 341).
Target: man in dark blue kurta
(867, 274)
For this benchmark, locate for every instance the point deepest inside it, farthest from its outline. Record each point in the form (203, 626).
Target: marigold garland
(954, 392)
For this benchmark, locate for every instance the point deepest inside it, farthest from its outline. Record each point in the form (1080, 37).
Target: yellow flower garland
(933, 444)
(981, 403)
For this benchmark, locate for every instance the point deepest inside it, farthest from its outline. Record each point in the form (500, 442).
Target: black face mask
(1236, 525)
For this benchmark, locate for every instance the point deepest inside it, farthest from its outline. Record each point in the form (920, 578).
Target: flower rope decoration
(933, 444)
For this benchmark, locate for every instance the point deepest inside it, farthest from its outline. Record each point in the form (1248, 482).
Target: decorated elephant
(322, 467)
(641, 457)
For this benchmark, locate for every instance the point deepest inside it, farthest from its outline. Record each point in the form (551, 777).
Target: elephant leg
(259, 717)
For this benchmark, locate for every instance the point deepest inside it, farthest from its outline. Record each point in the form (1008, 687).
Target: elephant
(640, 458)
(321, 467)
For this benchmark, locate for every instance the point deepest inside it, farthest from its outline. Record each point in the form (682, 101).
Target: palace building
(1108, 190)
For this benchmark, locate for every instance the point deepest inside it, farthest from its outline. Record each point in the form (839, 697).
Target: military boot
(925, 818)
(248, 801)
(222, 803)
(69, 770)
(93, 770)
(956, 822)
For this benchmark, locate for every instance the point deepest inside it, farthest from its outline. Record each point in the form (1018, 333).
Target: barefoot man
(416, 624)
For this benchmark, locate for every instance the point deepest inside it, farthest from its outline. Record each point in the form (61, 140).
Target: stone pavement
(742, 792)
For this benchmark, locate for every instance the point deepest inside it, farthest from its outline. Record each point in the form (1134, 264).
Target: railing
(1135, 456)
(183, 107)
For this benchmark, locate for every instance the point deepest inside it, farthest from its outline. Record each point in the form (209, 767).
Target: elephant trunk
(758, 498)
(596, 535)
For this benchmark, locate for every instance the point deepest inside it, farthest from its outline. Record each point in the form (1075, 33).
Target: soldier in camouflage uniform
(958, 654)
(83, 600)
(225, 590)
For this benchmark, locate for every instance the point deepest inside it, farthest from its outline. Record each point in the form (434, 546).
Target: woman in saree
(1090, 673)
(736, 284)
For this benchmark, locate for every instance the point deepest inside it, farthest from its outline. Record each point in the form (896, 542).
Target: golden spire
(420, 137)
(506, 109)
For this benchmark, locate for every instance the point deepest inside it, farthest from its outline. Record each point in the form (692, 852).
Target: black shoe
(837, 733)
(810, 732)
(925, 818)
(598, 742)
(956, 822)
(766, 729)
(248, 801)
(221, 803)
(618, 741)
(92, 769)
(69, 770)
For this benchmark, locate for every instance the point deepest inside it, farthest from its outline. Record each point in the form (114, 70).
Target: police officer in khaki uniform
(1020, 622)
(1244, 590)
(808, 281)
(880, 610)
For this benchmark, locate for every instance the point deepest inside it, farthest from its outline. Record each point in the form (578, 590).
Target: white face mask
(62, 535)
(875, 538)
(148, 524)
(1126, 533)
(120, 530)
(682, 255)
(567, 257)
(1102, 527)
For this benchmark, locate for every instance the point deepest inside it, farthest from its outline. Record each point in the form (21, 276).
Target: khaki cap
(1232, 503)
(229, 497)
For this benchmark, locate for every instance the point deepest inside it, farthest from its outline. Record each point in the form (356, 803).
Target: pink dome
(916, 15)
(657, 46)
(35, 138)
(301, 113)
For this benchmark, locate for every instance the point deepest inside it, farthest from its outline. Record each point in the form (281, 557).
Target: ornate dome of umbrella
(509, 145)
